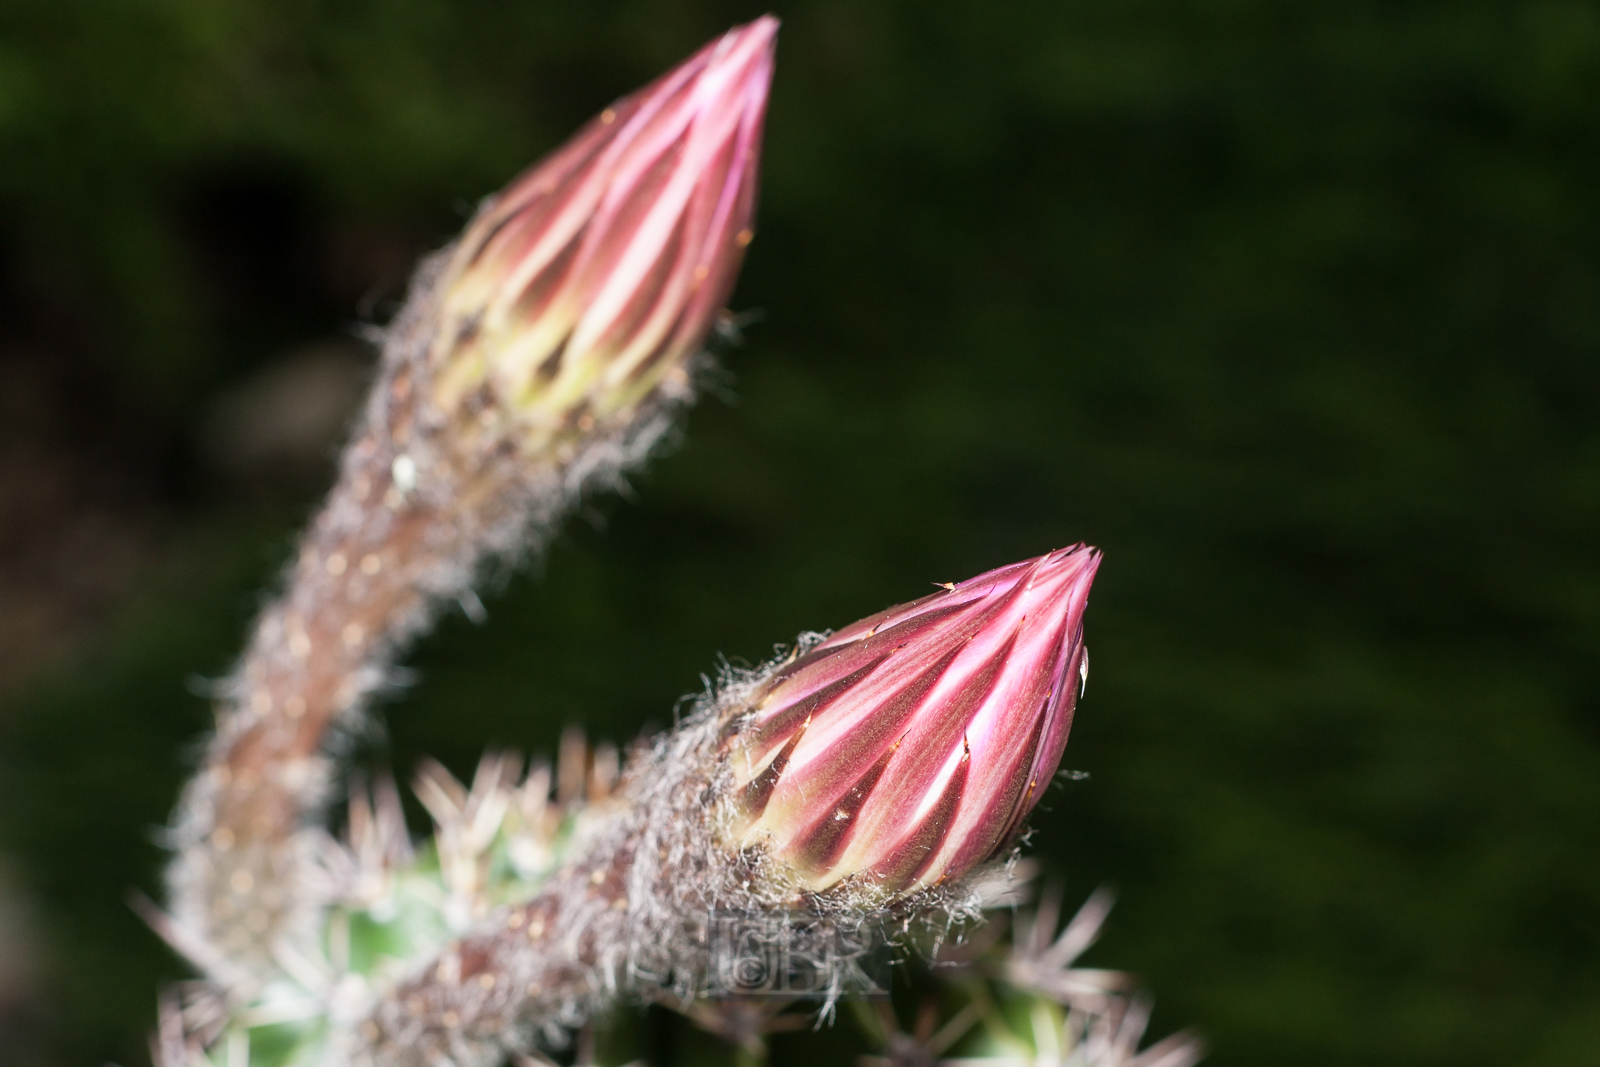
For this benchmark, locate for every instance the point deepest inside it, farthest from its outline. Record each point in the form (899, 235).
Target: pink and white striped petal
(908, 748)
(603, 268)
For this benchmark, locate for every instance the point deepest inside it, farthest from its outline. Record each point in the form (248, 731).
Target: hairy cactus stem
(621, 914)
(542, 354)
(983, 677)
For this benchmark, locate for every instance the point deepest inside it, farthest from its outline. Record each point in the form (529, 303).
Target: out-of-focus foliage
(1294, 309)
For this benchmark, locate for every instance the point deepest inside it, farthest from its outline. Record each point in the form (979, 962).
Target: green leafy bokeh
(1293, 309)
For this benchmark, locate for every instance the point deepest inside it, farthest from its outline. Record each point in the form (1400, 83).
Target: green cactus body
(492, 846)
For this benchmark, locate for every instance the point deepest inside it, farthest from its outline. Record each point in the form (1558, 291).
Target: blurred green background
(1292, 308)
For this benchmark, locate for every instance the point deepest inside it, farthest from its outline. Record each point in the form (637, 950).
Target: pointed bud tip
(760, 31)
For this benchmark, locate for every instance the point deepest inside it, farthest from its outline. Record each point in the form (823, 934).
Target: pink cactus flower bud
(595, 275)
(906, 749)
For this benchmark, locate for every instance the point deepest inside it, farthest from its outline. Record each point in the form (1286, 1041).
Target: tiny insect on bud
(908, 748)
(581, 288)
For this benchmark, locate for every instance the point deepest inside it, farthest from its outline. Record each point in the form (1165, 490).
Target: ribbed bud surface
(907, 749)
(596, 274)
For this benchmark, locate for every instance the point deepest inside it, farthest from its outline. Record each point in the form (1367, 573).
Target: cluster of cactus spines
(1026, 1005)
(881, 772)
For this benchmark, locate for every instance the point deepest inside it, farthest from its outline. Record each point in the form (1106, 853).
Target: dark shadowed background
(1292, 308)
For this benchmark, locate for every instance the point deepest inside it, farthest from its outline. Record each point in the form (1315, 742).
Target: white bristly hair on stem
(537, 359)
(625, 916)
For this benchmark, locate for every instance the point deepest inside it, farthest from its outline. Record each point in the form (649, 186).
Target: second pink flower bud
(907, 749)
